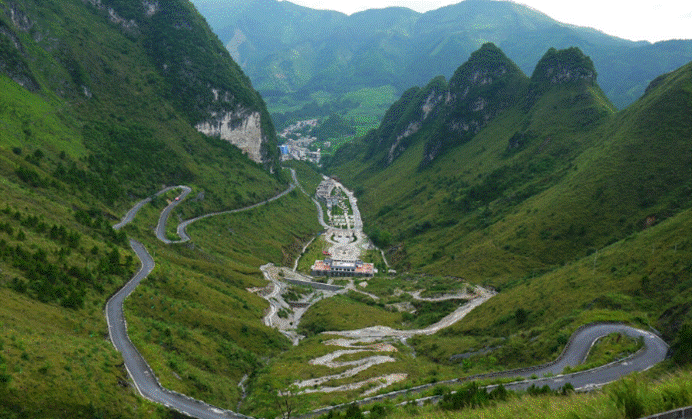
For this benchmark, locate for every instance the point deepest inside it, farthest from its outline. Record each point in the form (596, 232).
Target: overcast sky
(650, 20)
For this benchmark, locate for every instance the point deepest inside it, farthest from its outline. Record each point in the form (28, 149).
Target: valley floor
(346, 355)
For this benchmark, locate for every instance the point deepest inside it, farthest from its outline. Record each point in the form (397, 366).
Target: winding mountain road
(134, 210)
(142, 375)
(163, 218)
(182, 227)
(576, 351)
(148, 386)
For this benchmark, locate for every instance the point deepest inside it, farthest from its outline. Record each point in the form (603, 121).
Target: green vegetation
(558, 202)
(312, 253)
(308, 175)
(75, 154)
(346, 313)
(197, 298)
(611, 348)
(429, 286)
(335, 126)
(682, 348)
(58, 268)
(633, 397)
(358, 65)
(356, 310)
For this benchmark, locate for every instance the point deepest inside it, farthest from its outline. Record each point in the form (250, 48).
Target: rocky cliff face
(424, 109)
(242, 128)
(564, 66)
(12, 60)
(445, 115)
(405, 118)
(203, 81)
(451, 113)
(480, 89)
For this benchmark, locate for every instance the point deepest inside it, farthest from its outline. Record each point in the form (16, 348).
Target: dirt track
(373, 338)
(348, 244)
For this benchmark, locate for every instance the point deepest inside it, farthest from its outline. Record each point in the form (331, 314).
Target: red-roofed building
(331, 267)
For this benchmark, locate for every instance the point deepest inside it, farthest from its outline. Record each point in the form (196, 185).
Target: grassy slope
(585, 193)
(194, 320)
(55, 357)
(607, 165)
(134, 122)
(644, 394)
(396, 196)
(58, 359)
(194, 317)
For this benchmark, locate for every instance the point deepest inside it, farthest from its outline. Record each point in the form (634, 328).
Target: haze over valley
(311, 63)
(475, 211)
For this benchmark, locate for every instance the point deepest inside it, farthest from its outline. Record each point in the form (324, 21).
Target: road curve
(144, 378)
(182, 227)
(581, 341)
(654, 351)
(141, 373)
(135, 209)
(163, 218)
(575, 353)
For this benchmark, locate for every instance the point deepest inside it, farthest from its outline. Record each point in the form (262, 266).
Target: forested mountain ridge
(203, 83)
(558, 136)
(572, 210)
(480, 89)
(448, 114)
(296, 55)
(100, 105)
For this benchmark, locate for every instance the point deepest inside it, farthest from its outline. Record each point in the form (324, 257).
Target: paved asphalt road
(654, 351)
(132, 212)
(182, 227)
(149, 387)
(142, 375)
(161, 226)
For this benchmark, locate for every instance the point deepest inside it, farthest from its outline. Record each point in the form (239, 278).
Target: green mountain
(566, 206)
(204, 84)
(533, 185)
(479, 90)
(101, 105)
(311, 63)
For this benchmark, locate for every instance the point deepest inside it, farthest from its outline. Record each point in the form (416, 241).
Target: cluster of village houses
(296, 146)
(291, 150)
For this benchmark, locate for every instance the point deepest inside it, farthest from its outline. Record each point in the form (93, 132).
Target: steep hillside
(483, 87)
(448, 114)
(310, 63)
(443, 115)
(203, 84)
(571, 210)
(101, 105)
(578, 177)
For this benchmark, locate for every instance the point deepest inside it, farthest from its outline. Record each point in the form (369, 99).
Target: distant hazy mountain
(291, 52)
